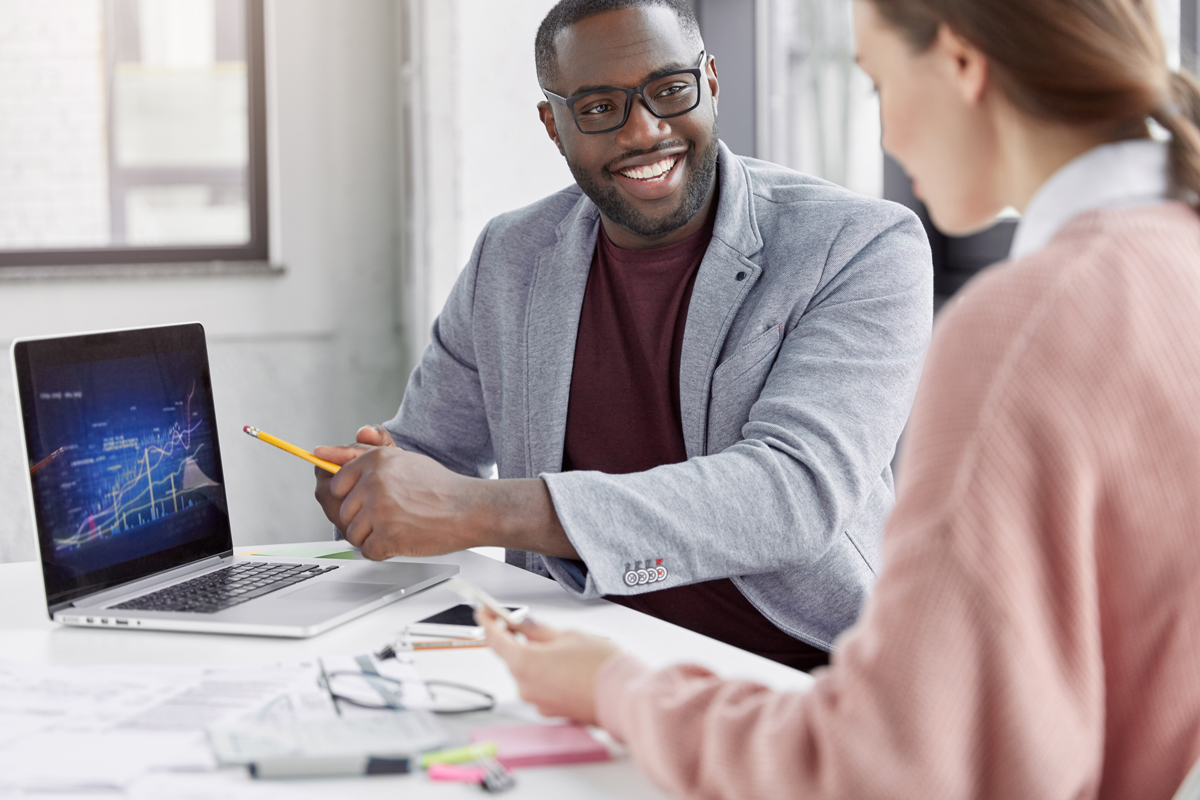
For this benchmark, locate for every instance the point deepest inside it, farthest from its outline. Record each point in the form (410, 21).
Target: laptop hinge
(100, 598)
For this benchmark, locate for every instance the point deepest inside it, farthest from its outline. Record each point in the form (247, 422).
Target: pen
(46, 460)
(444, 644)
(328, 466)
(333, 767)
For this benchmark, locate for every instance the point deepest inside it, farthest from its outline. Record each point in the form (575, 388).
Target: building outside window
(131, 131)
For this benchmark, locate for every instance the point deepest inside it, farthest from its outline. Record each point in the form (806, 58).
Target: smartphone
(478, 597)
(458, 622)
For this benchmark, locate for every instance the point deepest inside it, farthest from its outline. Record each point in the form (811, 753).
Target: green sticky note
(307, 550)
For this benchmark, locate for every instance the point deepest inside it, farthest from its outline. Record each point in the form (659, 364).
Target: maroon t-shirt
(623, 416)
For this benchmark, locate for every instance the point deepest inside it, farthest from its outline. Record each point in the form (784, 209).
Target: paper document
(96, 729)
(385, 734)
(364, 683)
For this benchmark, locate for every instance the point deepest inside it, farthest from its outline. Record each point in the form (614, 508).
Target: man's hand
(556, 671)
(367, 436)
(396, 503)
(389, 502)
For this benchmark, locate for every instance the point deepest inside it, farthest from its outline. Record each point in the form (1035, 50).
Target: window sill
(166, 270)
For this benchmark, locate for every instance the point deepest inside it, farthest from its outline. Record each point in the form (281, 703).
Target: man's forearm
(519, 514)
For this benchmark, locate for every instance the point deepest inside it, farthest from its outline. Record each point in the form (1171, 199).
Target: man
(690, 370)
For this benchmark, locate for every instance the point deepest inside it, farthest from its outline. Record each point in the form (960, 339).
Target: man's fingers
(340, 455)
(343, 483)
(349, 510)
(357, 532)
(375, 435)
(375, 548)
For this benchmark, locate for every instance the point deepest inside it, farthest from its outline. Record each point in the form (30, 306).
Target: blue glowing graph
(143, 472)
(127, 462)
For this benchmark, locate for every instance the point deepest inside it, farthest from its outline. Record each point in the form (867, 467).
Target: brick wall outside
(53, 174)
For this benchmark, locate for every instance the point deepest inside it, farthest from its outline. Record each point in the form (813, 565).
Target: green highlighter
(457, 755)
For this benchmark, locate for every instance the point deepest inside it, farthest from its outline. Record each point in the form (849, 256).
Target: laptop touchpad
(336, 591)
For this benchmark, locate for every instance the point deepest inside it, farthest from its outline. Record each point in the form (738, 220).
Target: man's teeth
(651, 170)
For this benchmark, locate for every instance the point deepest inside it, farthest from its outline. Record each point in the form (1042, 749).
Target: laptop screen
(123, 456)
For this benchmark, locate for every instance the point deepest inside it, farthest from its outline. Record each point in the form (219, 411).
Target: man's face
(622, 170)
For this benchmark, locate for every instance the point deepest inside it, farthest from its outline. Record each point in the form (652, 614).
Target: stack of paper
(98, 729)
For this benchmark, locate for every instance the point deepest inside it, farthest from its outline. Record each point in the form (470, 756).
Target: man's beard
(613, 205)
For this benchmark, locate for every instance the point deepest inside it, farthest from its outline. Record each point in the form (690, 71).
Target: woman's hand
(554, 670)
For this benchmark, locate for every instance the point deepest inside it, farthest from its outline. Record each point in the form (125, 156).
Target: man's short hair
(568, 12)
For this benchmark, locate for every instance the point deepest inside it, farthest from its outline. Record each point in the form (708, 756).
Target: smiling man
(690, 370)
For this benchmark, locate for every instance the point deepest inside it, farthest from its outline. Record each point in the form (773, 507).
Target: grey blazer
(805, 336)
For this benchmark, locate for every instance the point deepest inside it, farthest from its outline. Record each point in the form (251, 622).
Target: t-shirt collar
(1121, 174)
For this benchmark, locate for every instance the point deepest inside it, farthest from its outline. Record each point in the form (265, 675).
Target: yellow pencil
(328, 466)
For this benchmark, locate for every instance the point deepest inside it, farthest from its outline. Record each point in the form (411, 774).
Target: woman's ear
(966, 64)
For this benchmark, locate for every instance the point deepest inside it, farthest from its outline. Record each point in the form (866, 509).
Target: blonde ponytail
(1181, 118)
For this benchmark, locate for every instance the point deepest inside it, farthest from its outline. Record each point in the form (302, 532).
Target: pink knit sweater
(1035, 632)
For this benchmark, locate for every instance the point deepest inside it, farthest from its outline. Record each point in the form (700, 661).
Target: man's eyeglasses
(607, 108)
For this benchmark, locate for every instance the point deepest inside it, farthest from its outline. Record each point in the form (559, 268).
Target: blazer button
(740, 276)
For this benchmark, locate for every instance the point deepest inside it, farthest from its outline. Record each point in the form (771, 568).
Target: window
(131, 132)
(819, 113)
(816, 113)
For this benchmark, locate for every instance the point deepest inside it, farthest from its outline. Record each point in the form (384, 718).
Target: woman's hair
(1098, 63)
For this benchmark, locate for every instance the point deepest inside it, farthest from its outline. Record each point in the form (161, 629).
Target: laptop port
(121, 621)
(91, 621)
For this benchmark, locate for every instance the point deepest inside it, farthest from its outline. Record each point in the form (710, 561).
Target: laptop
(124, 469)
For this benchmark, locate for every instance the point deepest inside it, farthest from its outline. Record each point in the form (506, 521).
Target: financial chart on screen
(128, 464)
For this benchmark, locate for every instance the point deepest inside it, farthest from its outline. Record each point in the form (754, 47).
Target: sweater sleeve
(975, 669)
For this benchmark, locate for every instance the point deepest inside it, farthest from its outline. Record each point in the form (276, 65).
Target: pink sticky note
(539, 745)
(455, 772)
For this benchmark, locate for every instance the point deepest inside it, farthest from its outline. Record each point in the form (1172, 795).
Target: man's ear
(546, 112)
(966, 64)
(713, 86)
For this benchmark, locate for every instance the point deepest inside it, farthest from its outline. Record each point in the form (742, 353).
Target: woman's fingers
(536, 632)
(496, 634)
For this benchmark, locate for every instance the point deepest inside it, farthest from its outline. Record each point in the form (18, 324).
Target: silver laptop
(128, 492)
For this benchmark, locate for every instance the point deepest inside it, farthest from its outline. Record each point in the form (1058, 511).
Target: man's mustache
(691, 146)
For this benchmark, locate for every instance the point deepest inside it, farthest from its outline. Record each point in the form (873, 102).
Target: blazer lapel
(717, 296)
(551, 327)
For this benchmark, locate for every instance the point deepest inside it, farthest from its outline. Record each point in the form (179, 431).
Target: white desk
(26, 634)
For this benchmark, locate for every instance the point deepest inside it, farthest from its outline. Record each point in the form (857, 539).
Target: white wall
(309, 355)
(478, 147)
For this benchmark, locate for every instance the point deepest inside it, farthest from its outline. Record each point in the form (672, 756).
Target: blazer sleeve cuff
(572, 578)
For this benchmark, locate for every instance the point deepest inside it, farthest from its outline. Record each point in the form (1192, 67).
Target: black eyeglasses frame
(569, 102)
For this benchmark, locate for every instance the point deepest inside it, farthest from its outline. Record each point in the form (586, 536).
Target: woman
(1036, 630)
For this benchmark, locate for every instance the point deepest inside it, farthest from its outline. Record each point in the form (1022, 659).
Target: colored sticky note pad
(347, 554)
(304, 550)
(541, 745)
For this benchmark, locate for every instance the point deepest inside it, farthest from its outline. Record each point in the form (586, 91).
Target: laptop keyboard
(224, 588)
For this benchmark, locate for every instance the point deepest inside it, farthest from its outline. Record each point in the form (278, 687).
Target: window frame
(184, 259)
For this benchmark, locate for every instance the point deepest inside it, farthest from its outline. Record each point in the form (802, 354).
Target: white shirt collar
(1121, 174)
